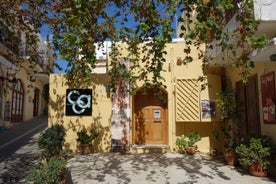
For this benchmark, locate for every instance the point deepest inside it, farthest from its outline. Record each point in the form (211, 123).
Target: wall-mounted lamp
(14, 82)
(272, 57)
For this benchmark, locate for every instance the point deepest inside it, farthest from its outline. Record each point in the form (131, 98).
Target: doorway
(247, 96)
(150, 117)
(17, 102)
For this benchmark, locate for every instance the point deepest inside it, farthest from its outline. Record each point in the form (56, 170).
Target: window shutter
(187, 100)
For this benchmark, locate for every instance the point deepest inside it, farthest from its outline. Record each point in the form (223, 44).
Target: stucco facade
(260, 69)
(23, 86)
(185, 109)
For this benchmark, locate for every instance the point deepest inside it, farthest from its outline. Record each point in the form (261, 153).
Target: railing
(11, 44)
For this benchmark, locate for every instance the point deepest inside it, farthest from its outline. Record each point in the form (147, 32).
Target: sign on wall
(79, 102)
(208, 109)
(268, 97)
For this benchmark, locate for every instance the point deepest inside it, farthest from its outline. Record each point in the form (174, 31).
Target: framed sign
(268, 97)
(208, 109)
(78, 102)
(157, 114)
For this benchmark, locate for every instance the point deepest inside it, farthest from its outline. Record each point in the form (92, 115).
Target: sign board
(78, 102)
(268, 97)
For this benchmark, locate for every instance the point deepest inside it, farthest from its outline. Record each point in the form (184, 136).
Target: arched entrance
(17, 102)
(150, 118)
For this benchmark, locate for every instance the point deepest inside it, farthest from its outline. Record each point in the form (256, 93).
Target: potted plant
(229, 146)
(51, 172)
(193, 138)
(255, 154)
(181, 143)
(85, 138)
(229, 113)
(51, 140)
(187, 144)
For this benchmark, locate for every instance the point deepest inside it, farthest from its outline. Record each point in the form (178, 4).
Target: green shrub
(255, 150)
(184, 142)
(51, 172)
(181, 143)
(85, 137)
(51, 140)
(193, 138)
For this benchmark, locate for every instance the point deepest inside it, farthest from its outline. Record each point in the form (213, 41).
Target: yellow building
(146, 122)
(258, 94)
(23, 86)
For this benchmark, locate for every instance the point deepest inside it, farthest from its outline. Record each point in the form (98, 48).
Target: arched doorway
(17, 102)
(150, 117)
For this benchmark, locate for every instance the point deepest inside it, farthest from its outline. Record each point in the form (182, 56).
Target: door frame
(17, 106)
(134, 121)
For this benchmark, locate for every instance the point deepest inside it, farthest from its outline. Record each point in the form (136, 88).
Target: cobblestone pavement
(156, 168)
(19, 150)
(18, 154)
(16, 167)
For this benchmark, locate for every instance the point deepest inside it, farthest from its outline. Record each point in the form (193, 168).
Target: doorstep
(150, 148)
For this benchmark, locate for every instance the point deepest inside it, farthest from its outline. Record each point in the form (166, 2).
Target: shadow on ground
(15, 166)
(155, 168)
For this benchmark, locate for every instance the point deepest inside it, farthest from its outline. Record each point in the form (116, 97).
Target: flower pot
(63, 181)
(257, 170)
(191, 150)
(85, 149)
(230, 157)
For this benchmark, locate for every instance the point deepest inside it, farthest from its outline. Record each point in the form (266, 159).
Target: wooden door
(151, 118)
(247, 96)
(17, 102)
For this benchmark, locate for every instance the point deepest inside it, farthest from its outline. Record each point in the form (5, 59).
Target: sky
(45, 31)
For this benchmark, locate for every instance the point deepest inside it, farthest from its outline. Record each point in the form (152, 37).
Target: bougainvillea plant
(75, 26)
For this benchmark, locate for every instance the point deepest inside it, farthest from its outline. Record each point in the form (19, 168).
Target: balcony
(267, 53)
(264, 10)
(10, 45)
(43, 57)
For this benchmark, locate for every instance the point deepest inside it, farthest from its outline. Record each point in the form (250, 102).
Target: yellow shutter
(187, 100)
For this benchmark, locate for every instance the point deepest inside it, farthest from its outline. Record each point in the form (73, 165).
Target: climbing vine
(76, 26)
(208, 26)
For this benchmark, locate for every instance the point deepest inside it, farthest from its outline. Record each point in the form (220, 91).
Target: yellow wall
(102, 104)
(28, 87)
(260, 69)
(101, 112)
(29, 94)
